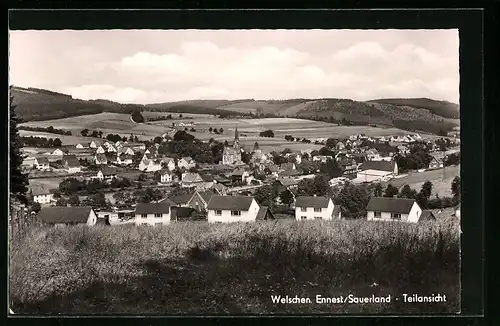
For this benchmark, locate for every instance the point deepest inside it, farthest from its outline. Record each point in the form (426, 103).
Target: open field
(235, 268)
(66, 140)
(440, 186)
(48, 183)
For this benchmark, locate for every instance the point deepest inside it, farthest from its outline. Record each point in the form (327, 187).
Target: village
(148, 183)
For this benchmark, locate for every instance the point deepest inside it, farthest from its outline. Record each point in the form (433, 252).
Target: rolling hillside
(417, 114)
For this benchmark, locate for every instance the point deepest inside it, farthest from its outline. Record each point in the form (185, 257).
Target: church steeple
(236, 143)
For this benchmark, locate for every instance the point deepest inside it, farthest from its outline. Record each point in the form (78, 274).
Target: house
(61, 215)
(100, 150)
(124, 159)
(29, 162)
(272, 170)
(239, 175)
(287, 166)
(57, 152)
(265, 214)
(82, 145)
(181, 214)
(180, 200)
(321, 158)
(166, 176)
(227, 209)
(287, 182)
(42, 163)
(290, 173)
(71, 164)
(338, 181)
(42, 195)
(169, 163)
(106, 174)
(100, 159)
(200, 199)
(190, 179)
(93, 144)
(150, 165)
(111, 149)
(153, 214)
(258, 157)
(372, 154)
(151, 150)
(377, 170)
(313, 208)
(393, 209)
(126, 150)
(435, 164)
(427, 215)
(112, 157)
(403, 150)
(457, 211)
(340, 146)
(186, 163)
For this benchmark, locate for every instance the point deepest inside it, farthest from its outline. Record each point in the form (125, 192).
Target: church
(232, 155)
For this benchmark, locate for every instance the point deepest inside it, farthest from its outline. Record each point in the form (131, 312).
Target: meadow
(198, 268)
(441, 180)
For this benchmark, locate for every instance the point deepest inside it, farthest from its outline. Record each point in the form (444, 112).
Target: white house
(315, 208)
(227, 209)
(62, 215)
(321, 158)
(42, 163)
(124, 159)
(106, 174)
(81, 145)
(186, 163)
(42, 195)
(93, 144)
(100, 159)
(100, 150)
(153, 214)
(111, 149)
(149, 165)
(71, 164)
(169, 163)
(393, 209)
(126, 150)
(166, 176)
(376, 171)
(57, 152)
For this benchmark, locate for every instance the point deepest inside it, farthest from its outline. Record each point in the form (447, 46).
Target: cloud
(162, 66)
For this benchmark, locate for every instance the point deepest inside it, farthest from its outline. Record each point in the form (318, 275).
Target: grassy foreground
(196, 268)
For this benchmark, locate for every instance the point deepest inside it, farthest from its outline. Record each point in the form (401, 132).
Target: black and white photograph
(195, 172)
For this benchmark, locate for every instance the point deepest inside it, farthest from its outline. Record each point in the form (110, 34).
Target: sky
(155, 66)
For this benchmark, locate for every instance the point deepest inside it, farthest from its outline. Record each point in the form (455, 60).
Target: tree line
(49, 129)
(41, 142)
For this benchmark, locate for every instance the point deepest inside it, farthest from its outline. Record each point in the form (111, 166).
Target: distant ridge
(416, 114)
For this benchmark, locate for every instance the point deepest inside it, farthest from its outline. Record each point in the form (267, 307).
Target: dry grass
(235, 268)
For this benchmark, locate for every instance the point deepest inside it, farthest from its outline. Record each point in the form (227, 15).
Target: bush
(142, 269)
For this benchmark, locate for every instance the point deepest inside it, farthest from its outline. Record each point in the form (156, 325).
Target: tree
(18, 180)
(318, 186)
(378, 190)
(131, 138)
(57, 142)
(221, 130)
(267, 133)
(455, 189)
(36, 207)
(286, 197)
(180, 116)
(391, 191)
(157, 140)
(100, 134)
(84, 132)
(408, 192)
(331, 168)
(137, 117)
(210, 130)
(353, 200)
(256, 146)
(94, 134)
(266, 195)
(61, 202)
(427, 189)
(74, 200)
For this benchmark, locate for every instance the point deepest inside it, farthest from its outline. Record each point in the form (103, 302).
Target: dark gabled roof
(311, 201)
(287, 181)
(184, 214)
(264, 214)
(206, 195)
(64, 214)
(238, 172)
(71, 160)
(427, 215)
(378, 165)
(152, 208)
(336, 212)
(390, 205)
(181, 199)
(241, 203)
